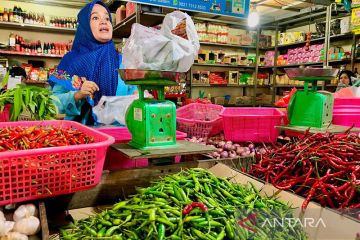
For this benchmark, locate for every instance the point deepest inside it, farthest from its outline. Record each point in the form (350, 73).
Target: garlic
(5, 227)
(24, 211)
(28, 226)
(14, 236)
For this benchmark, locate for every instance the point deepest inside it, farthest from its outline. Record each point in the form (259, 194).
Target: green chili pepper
(152, 215)
(105, 222)
(178, 194)
(120, 205)
(197, 184)
(116, 221)
(229, 230)
(199, 234)
(221, 235)
(207, 190)
(111, 230)
(161, 232)
(101, 232)
(166, 222)
(117, 237)
(91, 231)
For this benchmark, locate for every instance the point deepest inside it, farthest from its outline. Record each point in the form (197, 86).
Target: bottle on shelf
(20, 15)
(17, 43)
(11, 16)
(5, 15)
(1, 14)
(12, 41)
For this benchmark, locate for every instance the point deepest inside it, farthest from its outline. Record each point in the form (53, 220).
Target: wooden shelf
(223, 65)
(150, 19)
(175, 95)
(34, 27)
(30, 54)
(229, 45)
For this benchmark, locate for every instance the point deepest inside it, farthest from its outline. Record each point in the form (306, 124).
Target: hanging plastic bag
(284, 101)
(172, 48)
(111, 110)
(353, 91)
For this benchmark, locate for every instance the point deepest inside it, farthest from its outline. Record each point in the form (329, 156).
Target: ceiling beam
(290, 9)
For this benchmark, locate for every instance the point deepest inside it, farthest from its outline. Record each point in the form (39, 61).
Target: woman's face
(344, 79)
(100, 24)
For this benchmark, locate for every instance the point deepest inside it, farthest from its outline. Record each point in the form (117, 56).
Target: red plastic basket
(5, 114)
(251, 124)
(199, 120)
(38, 173)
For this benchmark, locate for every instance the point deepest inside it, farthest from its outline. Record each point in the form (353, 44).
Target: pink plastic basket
(115, 160)
(199, 120)
(38, 173)
(5, 114)
(251, 124)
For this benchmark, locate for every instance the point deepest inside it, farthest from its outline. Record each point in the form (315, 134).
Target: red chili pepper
(188, 208)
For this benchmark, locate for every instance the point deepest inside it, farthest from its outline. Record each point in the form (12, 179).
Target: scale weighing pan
(311, 74)
(149, 77)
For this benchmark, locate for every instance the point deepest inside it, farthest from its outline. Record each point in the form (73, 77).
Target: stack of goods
(193, 204)
(285, 80)
(269, 58)
(18, 44)
(18, 15)
(213, 33)
(130, 8)
(300, 55)
(36, 75)
(263, 79)
(246, 79)
(200, 77)
(217, 78)
(290, 37)
(336, 53)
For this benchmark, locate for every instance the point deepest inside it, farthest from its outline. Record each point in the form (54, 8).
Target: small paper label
(138, 114)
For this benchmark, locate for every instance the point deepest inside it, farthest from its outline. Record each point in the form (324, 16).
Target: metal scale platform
(152, 122)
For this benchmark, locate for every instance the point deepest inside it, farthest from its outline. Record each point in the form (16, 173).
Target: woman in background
(345, 79)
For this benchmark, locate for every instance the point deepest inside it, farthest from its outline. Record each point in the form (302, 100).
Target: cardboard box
(319, 223)
(233, 77)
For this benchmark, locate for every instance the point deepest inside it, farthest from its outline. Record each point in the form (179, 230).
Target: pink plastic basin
(251, 124)
(114, 160)
(347, 101)
(347, 119)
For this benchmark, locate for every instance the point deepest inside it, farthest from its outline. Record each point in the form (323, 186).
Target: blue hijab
(96, 61)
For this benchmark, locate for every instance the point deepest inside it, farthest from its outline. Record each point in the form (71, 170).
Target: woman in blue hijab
(94, 59)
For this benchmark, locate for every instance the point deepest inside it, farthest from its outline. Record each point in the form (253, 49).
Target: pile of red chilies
(21, 138)
(322, 167)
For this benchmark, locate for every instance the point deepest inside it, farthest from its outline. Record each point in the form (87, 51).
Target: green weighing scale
(309, 107)
(151, 122)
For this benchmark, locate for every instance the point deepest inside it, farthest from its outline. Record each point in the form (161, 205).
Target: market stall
(207, 142)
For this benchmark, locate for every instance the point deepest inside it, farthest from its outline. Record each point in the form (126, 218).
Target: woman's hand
(88, 88)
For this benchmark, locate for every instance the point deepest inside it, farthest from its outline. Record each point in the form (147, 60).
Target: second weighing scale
(309, 107)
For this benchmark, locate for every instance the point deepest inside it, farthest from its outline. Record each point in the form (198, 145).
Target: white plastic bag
(113, 109)
(153, 49)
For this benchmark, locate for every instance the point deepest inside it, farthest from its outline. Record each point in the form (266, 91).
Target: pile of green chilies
(192, 204)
